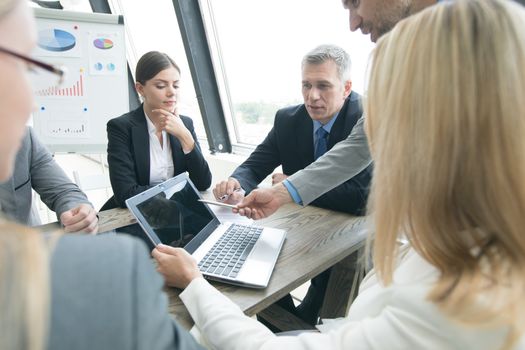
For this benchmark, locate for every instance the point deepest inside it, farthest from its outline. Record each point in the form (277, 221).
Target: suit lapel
(340, 126)
(345, 121)
(7, 196)
(176, 153)
(9, 203)
(140, 140)
(304, 138)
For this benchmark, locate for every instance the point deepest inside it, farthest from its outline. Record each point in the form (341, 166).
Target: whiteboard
(72, 117)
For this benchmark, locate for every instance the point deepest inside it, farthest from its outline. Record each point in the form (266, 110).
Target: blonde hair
(24, 275)
(24, 288)
(446, 126)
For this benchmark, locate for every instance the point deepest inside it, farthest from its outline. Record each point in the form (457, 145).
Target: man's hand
(176, 265)
(229, 191)
(263, 202)
(278, 178)
(82, 218)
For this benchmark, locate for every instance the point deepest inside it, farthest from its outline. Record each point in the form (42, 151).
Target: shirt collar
(151, 127)
(327, 126)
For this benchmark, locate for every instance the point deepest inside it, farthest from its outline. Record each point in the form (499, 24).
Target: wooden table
(316, 240)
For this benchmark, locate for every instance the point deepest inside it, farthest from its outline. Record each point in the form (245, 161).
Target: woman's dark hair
(151, 63)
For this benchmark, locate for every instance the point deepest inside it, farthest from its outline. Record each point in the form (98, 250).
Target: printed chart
(104, 54)
(64, 119)
(103, 43)
(72, 110)
(56, 40)
(68, 128)
(75, 90)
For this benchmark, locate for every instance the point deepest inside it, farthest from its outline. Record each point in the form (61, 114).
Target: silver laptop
(171, 214)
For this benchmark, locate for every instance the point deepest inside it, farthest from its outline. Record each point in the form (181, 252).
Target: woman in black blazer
(153, 143)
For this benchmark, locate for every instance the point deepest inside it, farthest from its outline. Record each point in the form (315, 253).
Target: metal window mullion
(198, 53)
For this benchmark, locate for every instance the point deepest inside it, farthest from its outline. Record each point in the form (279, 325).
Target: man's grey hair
(327, 52)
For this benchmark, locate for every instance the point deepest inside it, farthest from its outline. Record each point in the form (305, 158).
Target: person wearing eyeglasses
(35, 169)
(68, 291)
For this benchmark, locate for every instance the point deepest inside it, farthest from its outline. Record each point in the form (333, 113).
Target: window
(152, 26)
(258, 48)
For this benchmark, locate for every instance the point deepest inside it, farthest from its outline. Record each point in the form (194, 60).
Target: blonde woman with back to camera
(446, 126)
(74, 291)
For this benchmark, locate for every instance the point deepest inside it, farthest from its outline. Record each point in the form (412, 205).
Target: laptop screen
(172, 211)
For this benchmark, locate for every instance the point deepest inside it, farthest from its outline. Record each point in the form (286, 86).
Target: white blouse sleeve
(405, 320)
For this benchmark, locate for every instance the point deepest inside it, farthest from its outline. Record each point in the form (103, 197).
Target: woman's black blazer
(129, 163)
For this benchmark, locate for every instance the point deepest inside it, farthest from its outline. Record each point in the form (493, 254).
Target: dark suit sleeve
(122, 174)
(349, 197)
(197, 166)
(48, 179)
(263, 160)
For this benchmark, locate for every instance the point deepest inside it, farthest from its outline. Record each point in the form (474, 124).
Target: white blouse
(395, 317)
(160, 157)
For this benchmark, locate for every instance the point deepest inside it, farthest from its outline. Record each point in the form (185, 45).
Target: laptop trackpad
(259, 265)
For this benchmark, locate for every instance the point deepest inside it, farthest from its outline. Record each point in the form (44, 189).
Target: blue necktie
(321, 144)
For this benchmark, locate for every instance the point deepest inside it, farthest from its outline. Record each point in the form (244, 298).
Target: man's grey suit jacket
(35, 168)
(106, 295)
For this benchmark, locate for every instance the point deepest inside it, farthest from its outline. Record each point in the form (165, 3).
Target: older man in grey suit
(36, 169)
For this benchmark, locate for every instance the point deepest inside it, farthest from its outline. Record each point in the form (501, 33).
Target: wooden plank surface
(316, 240)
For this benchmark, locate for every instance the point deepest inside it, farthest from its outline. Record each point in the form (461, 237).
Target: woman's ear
(140, 89)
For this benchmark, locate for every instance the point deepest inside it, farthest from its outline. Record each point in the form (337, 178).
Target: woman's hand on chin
(172, 123)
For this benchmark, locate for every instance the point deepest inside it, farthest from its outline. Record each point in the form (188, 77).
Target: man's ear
(348, 88)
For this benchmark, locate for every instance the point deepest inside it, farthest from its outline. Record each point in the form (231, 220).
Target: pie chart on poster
(56, 40)
(103, 44)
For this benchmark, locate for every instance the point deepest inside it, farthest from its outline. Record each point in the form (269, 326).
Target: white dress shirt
(395, 317)
(160, 157)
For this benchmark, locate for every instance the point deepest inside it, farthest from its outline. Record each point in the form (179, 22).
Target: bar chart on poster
(71, 113)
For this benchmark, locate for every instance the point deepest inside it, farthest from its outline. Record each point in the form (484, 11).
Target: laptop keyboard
(228, 254)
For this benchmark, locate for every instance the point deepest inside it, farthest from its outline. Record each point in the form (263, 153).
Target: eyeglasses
(58, 71)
